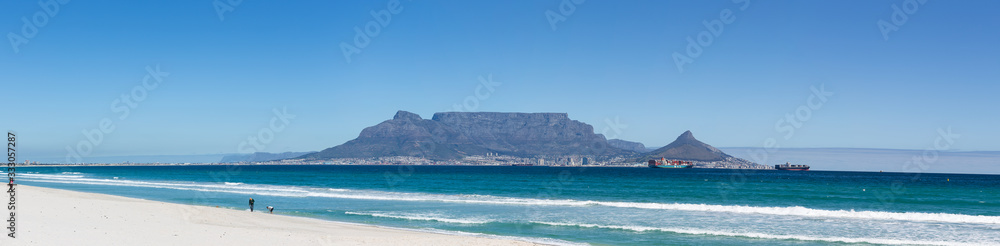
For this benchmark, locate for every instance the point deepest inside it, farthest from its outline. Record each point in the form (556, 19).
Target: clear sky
(601, 61)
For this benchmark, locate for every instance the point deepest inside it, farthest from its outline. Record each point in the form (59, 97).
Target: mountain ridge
(537, 137)
(453, 135)
(628, 145)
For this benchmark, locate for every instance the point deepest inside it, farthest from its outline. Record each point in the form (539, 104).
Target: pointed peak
(686, 136)
(403, 115)
(686, 147)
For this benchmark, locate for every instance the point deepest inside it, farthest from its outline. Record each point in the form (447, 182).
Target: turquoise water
(598, 206)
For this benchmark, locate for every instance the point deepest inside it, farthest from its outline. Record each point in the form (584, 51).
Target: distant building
(585, 161)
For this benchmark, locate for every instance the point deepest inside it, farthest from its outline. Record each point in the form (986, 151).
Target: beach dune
(60, 217)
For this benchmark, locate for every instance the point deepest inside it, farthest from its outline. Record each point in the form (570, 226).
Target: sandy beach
(60, 217)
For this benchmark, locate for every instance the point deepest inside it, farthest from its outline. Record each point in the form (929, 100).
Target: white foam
(424, 217)
(49, 176)
(204, 187)
(768, 236)
(546, 241)
(301, 191)
(809, 212)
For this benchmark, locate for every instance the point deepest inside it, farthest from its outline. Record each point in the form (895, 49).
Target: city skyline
(202, 78)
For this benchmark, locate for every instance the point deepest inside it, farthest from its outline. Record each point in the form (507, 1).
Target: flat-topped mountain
(452, 135)
(551, 136)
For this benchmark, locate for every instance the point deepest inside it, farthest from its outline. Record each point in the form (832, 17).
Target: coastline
(49, 216)
(313, 164)
(577, 166)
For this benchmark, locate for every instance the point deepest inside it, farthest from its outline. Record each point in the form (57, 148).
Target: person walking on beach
(251, 204)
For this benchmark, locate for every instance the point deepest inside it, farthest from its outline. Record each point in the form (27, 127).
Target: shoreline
(310, 164)
(48, 216)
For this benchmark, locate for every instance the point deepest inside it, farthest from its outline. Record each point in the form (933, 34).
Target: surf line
(694, 231)
(398, 196)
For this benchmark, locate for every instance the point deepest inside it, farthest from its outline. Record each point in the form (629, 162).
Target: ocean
(584, 205)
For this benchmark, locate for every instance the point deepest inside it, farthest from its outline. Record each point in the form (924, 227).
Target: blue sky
(607, 61)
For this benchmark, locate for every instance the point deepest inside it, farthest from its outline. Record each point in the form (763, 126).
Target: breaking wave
(692, 231)
(303, 191)
(424, 217)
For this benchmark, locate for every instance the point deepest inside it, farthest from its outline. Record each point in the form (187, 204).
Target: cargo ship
(664, 163)
(789, 167)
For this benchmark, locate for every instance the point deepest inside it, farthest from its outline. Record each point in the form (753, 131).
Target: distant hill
(628, 145)
(261, 156)
(453, 135)
(686, 147)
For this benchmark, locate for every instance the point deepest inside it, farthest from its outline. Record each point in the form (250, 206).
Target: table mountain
(452, 135)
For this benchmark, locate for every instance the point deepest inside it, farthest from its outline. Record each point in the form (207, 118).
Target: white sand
(59, 217)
